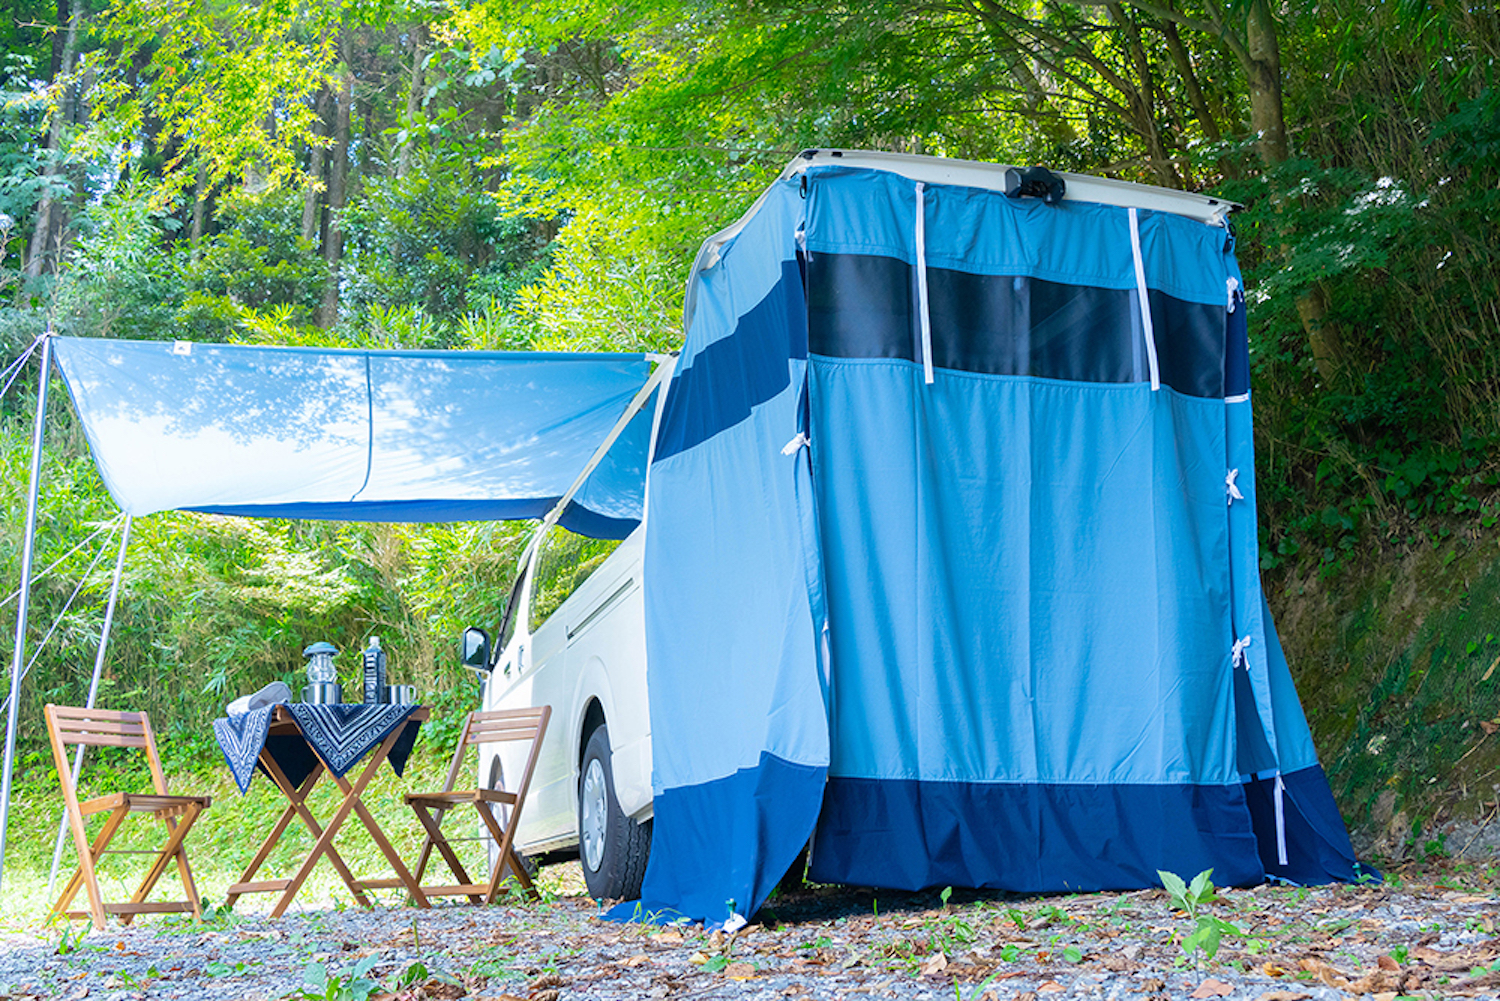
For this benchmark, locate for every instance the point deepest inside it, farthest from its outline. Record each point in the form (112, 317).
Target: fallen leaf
(1212, 989)
(1387, 963)
(1049, 987)
(1272, 970)
(1283, 996)
(739, 971)
(669, 937)
(936, 963)
(546, 980)
(550, 994)
(642, 959)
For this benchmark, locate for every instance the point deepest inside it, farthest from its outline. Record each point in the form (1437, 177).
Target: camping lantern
(322, 678)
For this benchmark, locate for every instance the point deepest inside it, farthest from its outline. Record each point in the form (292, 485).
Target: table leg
(351, 803)
(296, 807)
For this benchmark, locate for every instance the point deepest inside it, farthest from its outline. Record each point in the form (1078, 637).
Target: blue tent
(952, 564)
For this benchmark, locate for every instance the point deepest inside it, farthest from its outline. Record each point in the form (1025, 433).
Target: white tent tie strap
(1147, 330)
(1280, 820)
(796, 444)
(1237, 656)
(1231, 489)
(1233, 285)
(924, 315)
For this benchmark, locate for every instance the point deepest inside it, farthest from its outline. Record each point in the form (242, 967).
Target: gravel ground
(1427, 933)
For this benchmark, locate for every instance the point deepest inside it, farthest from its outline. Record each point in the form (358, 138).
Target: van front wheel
(611, 846)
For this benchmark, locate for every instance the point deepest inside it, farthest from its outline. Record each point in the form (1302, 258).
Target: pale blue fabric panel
(730, 638)
(741, 279)
(369, 435)
(983, 232)
(1027, 578)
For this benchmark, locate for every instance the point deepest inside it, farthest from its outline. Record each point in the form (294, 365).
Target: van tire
(612, 848)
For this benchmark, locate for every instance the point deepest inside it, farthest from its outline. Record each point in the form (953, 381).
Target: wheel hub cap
(594, 820)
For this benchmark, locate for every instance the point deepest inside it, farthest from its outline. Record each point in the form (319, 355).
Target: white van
(573, 637)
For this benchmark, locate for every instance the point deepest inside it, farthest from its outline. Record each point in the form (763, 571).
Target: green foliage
(350, 985)
(1208, 930)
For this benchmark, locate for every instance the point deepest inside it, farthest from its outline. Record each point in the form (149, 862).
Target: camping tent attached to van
(951, 560)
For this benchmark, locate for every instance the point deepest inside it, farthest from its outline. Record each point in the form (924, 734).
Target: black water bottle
(374, 673)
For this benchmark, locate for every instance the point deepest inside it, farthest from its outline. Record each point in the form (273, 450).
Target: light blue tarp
(412, 436)
(1004, 629)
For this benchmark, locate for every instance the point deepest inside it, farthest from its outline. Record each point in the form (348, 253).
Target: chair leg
(176, 832)
(435, 839)
(506, 856)
(88, 855)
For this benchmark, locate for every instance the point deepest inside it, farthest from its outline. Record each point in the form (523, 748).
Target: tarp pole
(24, 602)
(109, 618)
(664, 370)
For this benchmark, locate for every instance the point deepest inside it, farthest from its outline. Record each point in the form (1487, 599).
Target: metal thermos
(374, 673)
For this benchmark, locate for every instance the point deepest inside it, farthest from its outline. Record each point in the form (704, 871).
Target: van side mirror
(476, 649)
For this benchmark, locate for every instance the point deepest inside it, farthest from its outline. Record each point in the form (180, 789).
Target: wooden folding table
(283, 723)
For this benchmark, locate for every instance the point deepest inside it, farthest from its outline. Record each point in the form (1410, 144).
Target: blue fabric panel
(731, 376)
(1026, 578)
(983, 232)
(709, 843)
(575, 519)
(350, 434)
(1030, 838)
(1317, 846)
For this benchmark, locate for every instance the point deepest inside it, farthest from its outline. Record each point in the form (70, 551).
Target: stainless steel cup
(402, 695)
(322, 693)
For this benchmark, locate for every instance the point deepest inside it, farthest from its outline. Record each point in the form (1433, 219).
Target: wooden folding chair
(68, 726)
(482, 728)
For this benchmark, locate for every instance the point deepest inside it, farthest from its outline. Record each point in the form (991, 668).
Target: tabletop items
(323, 686)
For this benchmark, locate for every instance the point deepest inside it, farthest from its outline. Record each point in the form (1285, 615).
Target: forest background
(509, 175)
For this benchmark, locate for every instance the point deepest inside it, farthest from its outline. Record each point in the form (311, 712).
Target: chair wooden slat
(69, 726)
(431, 808)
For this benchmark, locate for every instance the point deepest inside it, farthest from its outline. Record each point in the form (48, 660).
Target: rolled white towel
(273, 694)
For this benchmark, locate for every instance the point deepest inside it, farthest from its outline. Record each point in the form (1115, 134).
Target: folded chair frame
(69, 726)
(482, 728)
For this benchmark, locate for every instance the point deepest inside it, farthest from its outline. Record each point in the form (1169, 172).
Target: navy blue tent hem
(1312, 833)
(719, 848)
(1030, 837)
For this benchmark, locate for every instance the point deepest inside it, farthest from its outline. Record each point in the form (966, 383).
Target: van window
(566, 562)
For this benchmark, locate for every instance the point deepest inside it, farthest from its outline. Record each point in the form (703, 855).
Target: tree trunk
(312, 199)
(49, 215)
(1263, 72)
(338, 177)
(414, 91)
(200, 211)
